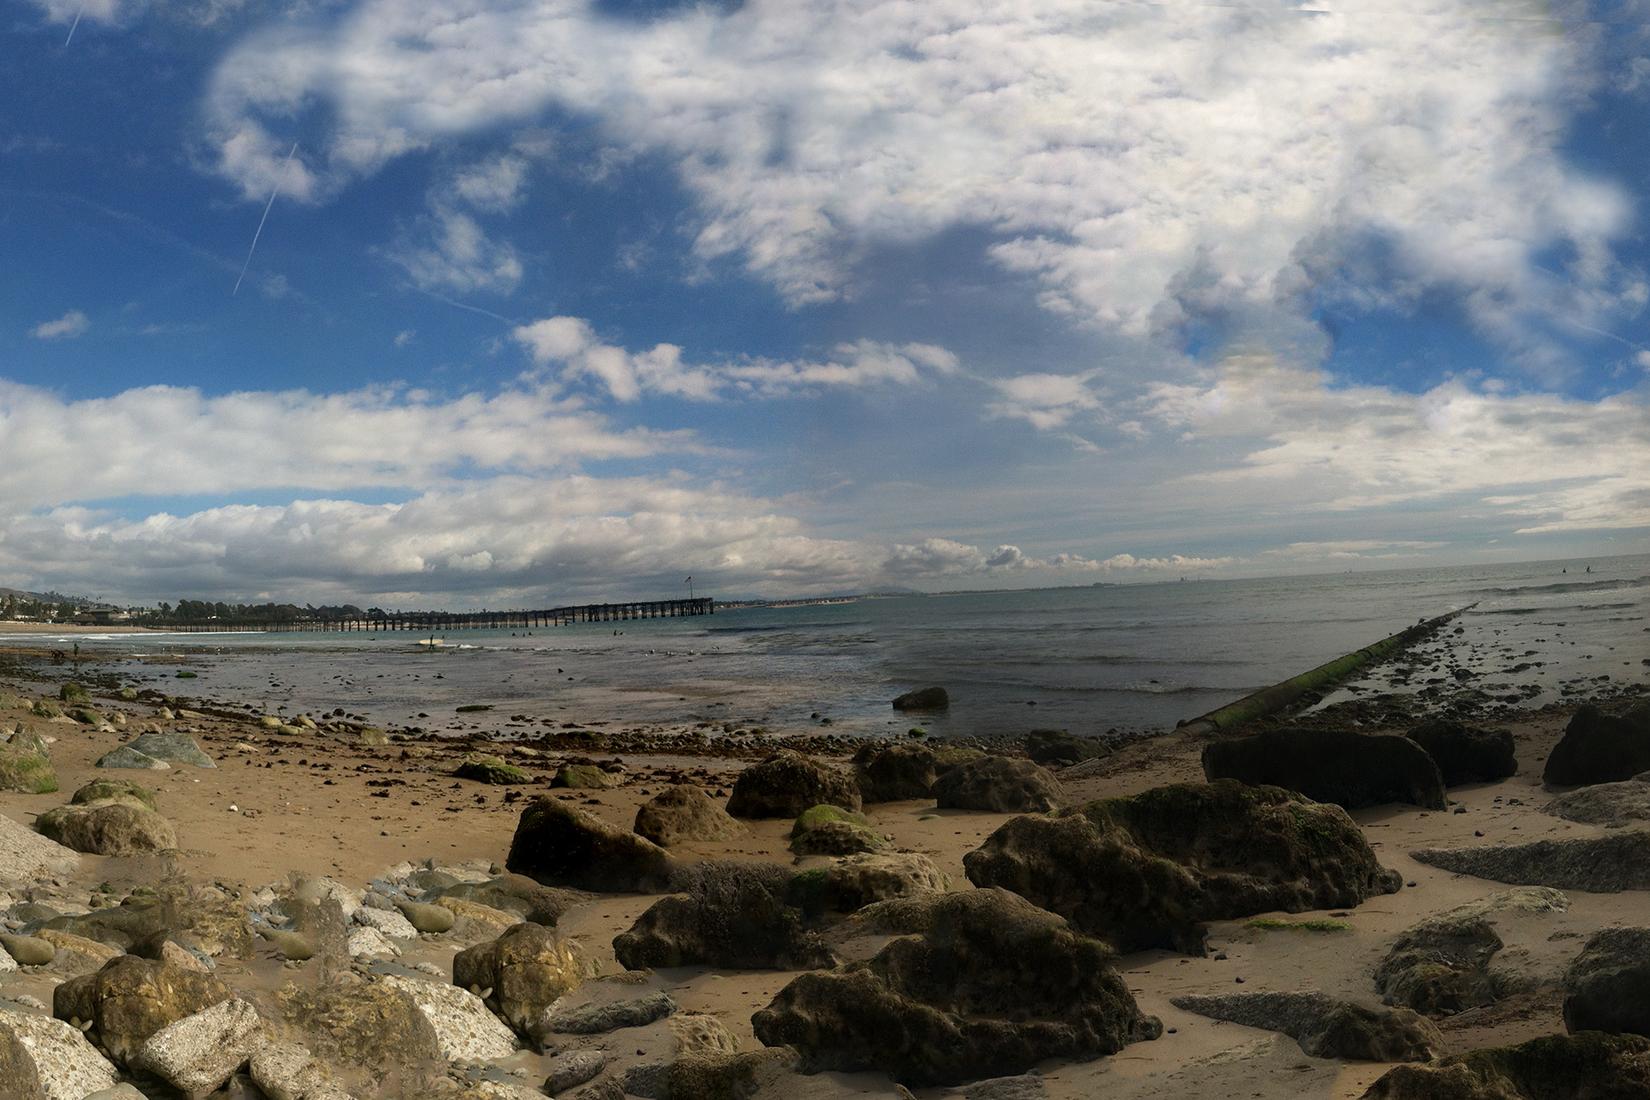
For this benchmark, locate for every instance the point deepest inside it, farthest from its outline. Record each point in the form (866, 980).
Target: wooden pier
(440, 622)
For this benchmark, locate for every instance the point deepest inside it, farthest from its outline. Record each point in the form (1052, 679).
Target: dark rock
(848, 885)
(928, 698)
(561, 845)
(1589, 1066)
(1325, 1027)
(833, 831)
(1601, 865)
(602, 1017)
(733, 914)
(684, 813)
(1148, 870)
(895, 773)
(1600, 748)
(1061, 747)
(737, 1076)
(1440, 967)
(1464, 754)
(995, 986)
(1003, 784)
(1339, 766)
(787, 783)
(522, 973)
(1612, 805)
(130, 999)
(1607, 988)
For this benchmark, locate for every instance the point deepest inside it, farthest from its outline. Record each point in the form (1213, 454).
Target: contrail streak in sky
(279, 179)
(73, 25)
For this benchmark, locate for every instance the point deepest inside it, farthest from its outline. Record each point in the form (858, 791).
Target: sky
(466, 304)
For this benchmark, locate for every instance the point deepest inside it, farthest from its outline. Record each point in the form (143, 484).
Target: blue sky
(561, 299)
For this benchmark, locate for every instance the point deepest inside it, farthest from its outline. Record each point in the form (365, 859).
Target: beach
(329, 795)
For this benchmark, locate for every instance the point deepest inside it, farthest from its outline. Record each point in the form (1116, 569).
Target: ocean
(1131, 657)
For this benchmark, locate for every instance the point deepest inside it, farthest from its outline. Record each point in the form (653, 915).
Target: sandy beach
(293, 800)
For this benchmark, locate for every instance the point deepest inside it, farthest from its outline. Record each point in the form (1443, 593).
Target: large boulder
(26, 765)
(46, 1059)
(1589, 1066)
(1612, 805)
(522, 973)
(1059, 748)
(173, 748)
(683, 813)
(787, 783)
(733, 914)
(1600, 748)
(833, 831)
(995, 986)
(29, 859)
(1607, 987)
(895, 773)
(397, 1022)
(130, 999)
(516, 894)
(928, 698)
(116, 828)
(1147, 871)
(848, 885)
(999, 784)
(1325, 1027)
(1465, 754)
(1339, 766)
(198, 1054)
(1600, 865)
(562, 845)
(1441, 967)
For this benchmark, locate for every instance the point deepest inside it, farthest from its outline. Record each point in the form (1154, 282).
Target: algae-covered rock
(848, 885)
(895, 773)
(108, 828)
(1607, 987)
(174, 748)
(1326, 1027)
(833, 831)
(522, 973)
(1465, 754)
(684, 813)
(1340, 766)
(561, 845)
(515, 894)
(1000, 784)
(26, 766)
(732, 914)
(1613, 805)
(127, 757)
(113, 790)
(1060, 747)
(995, 986)
(491, 769)
(1147, 870)
(583, 777)
(787, 783)
(1589, 1066)
(130, 999)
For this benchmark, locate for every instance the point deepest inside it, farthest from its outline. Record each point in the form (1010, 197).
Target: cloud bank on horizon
(573, 298)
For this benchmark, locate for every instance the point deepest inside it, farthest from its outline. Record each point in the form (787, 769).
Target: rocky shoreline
(206, 900)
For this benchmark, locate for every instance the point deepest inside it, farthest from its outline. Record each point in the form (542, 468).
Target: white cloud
(571, 345)
(457, 256)
(1046, 401)
(1148, 163)
(96, 11)
(405, 337)
(494, 185)
(72, 324)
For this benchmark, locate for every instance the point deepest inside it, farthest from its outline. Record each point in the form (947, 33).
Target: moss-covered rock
(787, 783)
(833, 831)
(1148, 870)
(117, 828)
(130, 999)
(683, 813)
(522, 973)
(1340, 766)
(731, 914)
(1590, 1066)
(113, 790)
(72, 692)
(895, 773)
(491, 769)
(26, 766)
(583, 777)
(999, 784)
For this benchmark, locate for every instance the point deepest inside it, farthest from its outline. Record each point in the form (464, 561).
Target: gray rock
(465, 1030)
(1607, 988)
(369, 943)
(28, 859)
(1026, 1086)
(46, 1059)
(287, 1071)
(683, 813)
(594, 1019)
(1001, 784)
(127, 757)
(108, 828)
(174, 748)
(1442, 965)
(691, 1035)
(572, 1069)
(1325, 1027)
(388, 921)
(198, 1053)
(516, 894)
(1612, 805)
(1602, 865)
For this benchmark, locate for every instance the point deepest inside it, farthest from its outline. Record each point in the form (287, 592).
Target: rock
(1602, 865)
(1058, 747)
(1612, 805)
(319, 888)
(522, 973)
(28, 950)
(74, 955)
(46, 1059)
(583, 777)
(1607, 987)
(572, 1069)
(895, 773)
(994, 986)
(113, 790)
(212, 917)
(465, 1031)
(1464, 754)
(1325, 1027)
(1001, 784)
(174, 748)
(119, 1092)
(1441, 967)
(127, 757)
(1023, 1086)
(287, 1071)
(689, 1035)
(1339, 766)
(787, 783)
(373, 1024)
(1589, 1066)
(174, 954)
(515, 894)
(1147, 871)
(390, 922)
(684, 813)
(833, 831)
(108, 828)
(734, 914)
(1600, 748)
(726, 1075)
(29, 859)
(475, 922)
(26, 766)
(71, 692)
(369, 943)
(560, 845)
(928, 698)
(198, 1053)
(848, 885)
(130, 999)
(432, 919)
(599, 1018)
(293, 946)
(491, 769)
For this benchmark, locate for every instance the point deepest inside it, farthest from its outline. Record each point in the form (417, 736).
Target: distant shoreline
(69, 628)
